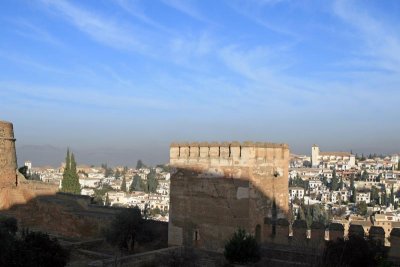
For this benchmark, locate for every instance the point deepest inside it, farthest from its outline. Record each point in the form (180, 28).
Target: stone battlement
(243, 153)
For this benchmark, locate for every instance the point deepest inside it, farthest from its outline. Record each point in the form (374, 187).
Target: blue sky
(134, 74)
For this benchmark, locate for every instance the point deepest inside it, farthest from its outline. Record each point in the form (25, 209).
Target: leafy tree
(70, 181)
(242, 248)
(117, 174)
(341, 183)
(24, 171)
(383, 198)
(125, 170)
(152, 181)
(140, 164)
(309, 217)
(353, 252)
(298, 181)
(353, 190)
(319, 214)
(155, 211)
(324, 181)
(126, 229)
(137, 183)
(100, 193)
(335, 181)
(123, 184)
(107, 202)
(364, 176)
(362, 208)
(375, 195)
(29, 249)
(301, 214)
(392, 196)
(104, 166)
(108, 172)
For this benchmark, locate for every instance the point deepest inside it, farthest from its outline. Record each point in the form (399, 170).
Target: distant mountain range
(48, 155)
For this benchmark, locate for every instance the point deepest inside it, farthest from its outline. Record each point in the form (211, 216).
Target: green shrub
(242, 248)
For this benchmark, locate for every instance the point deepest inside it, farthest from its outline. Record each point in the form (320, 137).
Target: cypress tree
(392, 196)
(107, 202)
(70, 181)
(123, 184)
(66, 174)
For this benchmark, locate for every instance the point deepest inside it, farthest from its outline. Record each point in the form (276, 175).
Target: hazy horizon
(47, 155)
(120, 80)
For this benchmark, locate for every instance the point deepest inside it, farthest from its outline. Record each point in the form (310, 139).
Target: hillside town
(143, 187)
(327, 186)
(346, 188)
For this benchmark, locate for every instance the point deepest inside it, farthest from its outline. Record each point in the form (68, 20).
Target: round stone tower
(8, 156)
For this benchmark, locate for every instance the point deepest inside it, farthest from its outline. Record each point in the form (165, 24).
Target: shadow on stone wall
(70, 216)
(207, 207)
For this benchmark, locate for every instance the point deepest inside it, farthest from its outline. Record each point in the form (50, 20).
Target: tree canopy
(123, 184)
(127, 228)
(70, 181)
(28, 249)
(152, 181)
(137, 184)
(242, 248)
(140, 164)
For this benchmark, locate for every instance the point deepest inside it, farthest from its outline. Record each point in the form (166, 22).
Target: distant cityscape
(340, 186)
(117, 187)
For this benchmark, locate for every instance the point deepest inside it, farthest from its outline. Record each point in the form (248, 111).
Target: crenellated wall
(227, 154)
(217, 187)
(297, 239)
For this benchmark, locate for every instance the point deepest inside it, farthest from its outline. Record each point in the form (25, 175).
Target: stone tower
(314, 156)
(8, 157)
(218, 187)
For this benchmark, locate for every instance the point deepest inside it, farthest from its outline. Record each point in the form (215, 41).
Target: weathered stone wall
(218, 187)
(8, 158)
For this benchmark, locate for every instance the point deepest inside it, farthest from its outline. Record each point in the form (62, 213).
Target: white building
(28, 164)
(326, 160)
(90, 182)
(296, 192)
(363, 196)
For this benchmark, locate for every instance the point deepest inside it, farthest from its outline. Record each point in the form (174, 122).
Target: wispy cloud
(133, 9)
(252, 10)
(380, 44)
(188, 8)
(30, 30)
(100, 28)
(32, 64)
(39, 93)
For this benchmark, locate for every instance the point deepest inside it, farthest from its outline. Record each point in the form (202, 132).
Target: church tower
(314, 156)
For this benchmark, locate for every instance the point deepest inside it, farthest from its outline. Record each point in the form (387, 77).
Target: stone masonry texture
(218, 187)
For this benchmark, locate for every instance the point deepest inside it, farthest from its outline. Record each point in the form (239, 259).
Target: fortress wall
(220, 186)
(8, 157)
(226, 154)
(316, 242)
